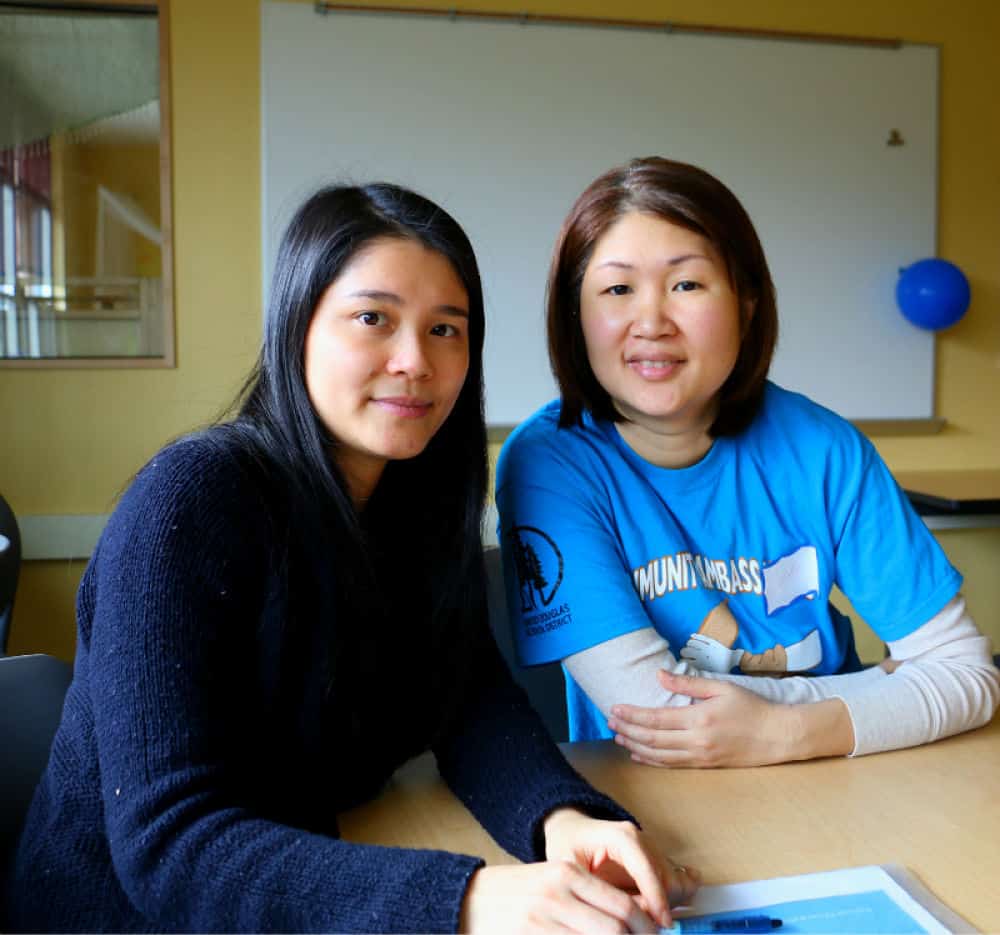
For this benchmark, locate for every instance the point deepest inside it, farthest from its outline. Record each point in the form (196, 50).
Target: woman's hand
(556, 895)
(730, 726)
(623, 855)
(599, 876)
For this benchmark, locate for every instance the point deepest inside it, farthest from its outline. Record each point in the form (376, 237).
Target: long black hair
(421, 529)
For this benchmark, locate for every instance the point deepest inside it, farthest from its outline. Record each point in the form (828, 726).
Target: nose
(653, 319)
(410, 357)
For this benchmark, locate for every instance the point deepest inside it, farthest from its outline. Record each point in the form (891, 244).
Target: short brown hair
(689, 197)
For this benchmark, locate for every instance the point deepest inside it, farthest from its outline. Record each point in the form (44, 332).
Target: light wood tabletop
(934, 809)
(959, 491)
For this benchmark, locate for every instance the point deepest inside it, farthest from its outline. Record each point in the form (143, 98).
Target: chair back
(10, 568)
(544, 684)
(32, 690)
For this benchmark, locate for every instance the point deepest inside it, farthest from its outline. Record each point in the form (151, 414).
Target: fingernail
(612, 724)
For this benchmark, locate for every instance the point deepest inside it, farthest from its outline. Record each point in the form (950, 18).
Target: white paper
(810, 902)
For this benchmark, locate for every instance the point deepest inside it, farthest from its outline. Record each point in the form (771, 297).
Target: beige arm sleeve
(946, 684)
(623, 671)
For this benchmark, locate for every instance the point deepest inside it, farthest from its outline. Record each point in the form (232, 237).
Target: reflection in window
(81, 258)
(26, 252)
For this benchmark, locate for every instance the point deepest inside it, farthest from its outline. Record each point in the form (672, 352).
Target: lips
(406, 407)
(654, 368)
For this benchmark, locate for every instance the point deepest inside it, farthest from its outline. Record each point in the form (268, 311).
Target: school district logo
(539, 566)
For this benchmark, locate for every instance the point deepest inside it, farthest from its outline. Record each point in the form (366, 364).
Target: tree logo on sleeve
(539, 566)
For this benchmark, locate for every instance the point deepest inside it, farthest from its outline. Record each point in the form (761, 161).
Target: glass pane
(81, 250)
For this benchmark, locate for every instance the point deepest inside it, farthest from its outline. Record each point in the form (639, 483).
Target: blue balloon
(932, 293)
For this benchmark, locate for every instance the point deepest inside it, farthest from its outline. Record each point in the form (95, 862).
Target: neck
(669, 446)
(361, 474)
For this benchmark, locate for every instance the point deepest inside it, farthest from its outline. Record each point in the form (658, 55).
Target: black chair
(10, 568)
(545, 685)
(32, 690)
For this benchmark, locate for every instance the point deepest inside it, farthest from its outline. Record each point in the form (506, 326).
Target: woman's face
(386, 355)
(661, 323)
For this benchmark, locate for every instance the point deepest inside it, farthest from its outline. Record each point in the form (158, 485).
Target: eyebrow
(380, 295)
(673, 261)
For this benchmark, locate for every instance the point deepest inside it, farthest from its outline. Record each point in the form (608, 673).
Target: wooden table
(933, 809)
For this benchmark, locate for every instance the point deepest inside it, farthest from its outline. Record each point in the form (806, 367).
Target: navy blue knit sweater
(185, 792)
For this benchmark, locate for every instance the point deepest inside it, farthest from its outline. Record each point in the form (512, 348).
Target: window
(85, 259)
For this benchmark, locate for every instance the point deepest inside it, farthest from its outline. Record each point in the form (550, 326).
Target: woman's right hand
(555, 895)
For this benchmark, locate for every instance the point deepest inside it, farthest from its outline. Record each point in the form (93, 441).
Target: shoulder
(538, 430)
(782, 406)
(193, 461)
(203, 487)
(789, 420)
(210, 469)
(539, 448)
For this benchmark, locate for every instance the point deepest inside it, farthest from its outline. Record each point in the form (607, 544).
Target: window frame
(168, 359)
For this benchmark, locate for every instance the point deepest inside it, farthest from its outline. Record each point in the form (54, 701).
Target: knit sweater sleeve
(501, 762)
(177, 579)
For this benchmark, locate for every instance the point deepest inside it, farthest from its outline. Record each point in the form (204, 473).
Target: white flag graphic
(791, 577)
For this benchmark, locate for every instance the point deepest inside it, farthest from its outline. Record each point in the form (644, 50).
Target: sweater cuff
(450, 889)
(592, 803)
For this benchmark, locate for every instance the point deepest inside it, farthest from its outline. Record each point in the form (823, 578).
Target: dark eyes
(685, 285)
(372, 319)
(381, 319)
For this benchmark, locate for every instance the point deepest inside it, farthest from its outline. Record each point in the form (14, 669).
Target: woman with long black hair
(286, 607)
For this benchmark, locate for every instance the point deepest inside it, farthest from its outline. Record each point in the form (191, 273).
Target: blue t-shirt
(744, 546)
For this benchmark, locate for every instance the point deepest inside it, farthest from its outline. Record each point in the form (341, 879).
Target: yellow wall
(72, 438)
(131, 169)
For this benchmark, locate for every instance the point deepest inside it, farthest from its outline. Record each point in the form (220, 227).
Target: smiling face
(386, 355)
(661, 326)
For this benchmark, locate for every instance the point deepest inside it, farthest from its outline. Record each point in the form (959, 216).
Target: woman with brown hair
(673, 526)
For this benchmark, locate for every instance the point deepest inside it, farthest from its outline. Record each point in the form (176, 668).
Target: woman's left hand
(730, 726)
(623, 855)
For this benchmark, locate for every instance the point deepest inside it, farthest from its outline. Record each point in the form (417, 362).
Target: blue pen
(744, 924)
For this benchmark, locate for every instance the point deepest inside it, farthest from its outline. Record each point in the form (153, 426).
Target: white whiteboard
(505, 124)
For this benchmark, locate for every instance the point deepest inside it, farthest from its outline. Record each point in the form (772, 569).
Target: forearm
(806, 721)
(816, 729)
(944, 683)
(920, 703)
(799, 689)
(499, 743)
(623, 671)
